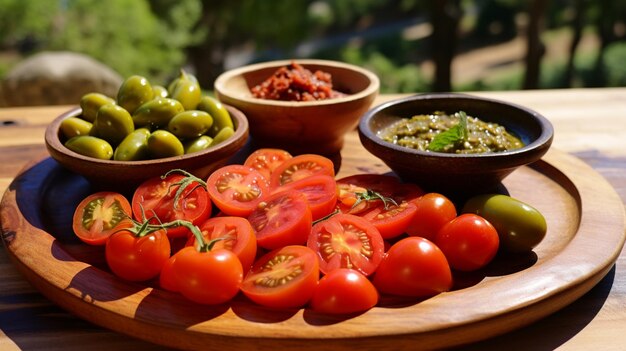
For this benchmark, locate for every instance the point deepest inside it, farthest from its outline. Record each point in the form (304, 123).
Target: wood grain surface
(583, 127)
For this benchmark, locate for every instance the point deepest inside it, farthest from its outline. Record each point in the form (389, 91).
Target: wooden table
(589, 123)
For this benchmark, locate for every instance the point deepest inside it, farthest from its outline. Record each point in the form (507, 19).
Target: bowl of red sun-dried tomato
(303, 106)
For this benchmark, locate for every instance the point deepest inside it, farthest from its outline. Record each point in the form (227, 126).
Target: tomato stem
(336, 211)
(371, 195)
(184, 183)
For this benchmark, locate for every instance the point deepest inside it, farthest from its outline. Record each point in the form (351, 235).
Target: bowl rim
(53, 142)
(545, 138)
(372, 88)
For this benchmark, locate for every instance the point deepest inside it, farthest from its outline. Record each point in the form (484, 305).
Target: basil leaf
(454, 135)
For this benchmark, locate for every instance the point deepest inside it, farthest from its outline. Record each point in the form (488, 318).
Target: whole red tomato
(137, 257)
(344, 291)
(433, 210)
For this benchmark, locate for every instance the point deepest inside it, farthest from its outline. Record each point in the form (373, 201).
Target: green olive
(221, 117)
(223, 134)
(159, 91)
(134, 147)
(113, 123)
(74, 126)
(186, 89)
(134, 92)
(157, 113)
(162, 143)
(90, 104)
(91, 146)
(520, 226)
(190, 124)
(198, 144)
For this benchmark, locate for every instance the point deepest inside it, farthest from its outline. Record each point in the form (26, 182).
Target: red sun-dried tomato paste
(296, 83)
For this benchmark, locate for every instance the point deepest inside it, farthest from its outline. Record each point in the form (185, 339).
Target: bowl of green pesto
(454, 143)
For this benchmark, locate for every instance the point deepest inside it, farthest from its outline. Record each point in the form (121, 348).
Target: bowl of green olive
(146, 131)
(454, 143)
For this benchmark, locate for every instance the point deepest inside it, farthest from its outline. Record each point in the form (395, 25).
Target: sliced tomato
(235, 234)
(156, 199)
(347, 241)
(361, 192)
(266, 160)
(282, 219)
(300, 167)
(99, 215)
(320, 191)
(283, 278)
(236, 189)
(391, 220)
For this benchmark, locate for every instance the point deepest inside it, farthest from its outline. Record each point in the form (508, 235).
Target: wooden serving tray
(586, 234)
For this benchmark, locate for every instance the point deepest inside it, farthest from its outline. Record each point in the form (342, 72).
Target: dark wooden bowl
(300, 127)
(456, 173)
(124, 175)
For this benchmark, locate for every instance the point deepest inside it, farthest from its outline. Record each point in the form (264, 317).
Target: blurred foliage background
(414, 46)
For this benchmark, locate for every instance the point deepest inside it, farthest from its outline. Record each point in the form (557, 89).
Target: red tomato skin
(320, 191)
(137, 258)
(282, 219)
(344, 291)
(340, 234)
(469, 242)
(300, 167)
(413, 267)
(236, 189)
(432, 212)
(266, 160)
(167, 280)
(97, 234)
(295, 292)
(238, 234)
(209, 278)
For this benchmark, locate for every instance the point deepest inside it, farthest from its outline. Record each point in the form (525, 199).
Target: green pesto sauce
(418, 131)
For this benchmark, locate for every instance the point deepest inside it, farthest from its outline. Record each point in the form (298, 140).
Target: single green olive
(162, 143)
(134, 92)
(200, 143)
(134, 147)
(520, 226)
(159, 91)
(190, 124)
(157, 113)
(221, 117)
(223, 134)
(186, 89)
(113, 123)
(74, 126)
(90, 104)
(91, 146)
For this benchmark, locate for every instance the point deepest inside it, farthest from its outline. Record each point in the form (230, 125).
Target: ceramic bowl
(456, 173)
(124, 175)
(300, 126)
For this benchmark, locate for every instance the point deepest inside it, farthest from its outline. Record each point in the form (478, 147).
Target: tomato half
(355, 193)
(236, 235)
(469, 242)
(320, 191)
(156, 197)
(413, 267)
(282, 219)
(99, 215)
(347, 241)
(266, 160)
(283, 278)
(236, 189)
(300, 167)
(344, 291)
(391, 221)
(137, 258)
(433, 210)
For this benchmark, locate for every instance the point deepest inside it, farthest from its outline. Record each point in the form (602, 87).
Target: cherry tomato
(347, 241)
(236, 189)
(344, 291)
(237, 234)
(282, 219)
(167, 280)
(433, 210)
(392, 220)
(266, 160)
(469, 242)
(320, 191)
(283, 278)
(211, 277)
(156, 196)
(99, 215)
(414, 267)
(300, 167)
(361, 192)
(137, 258)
